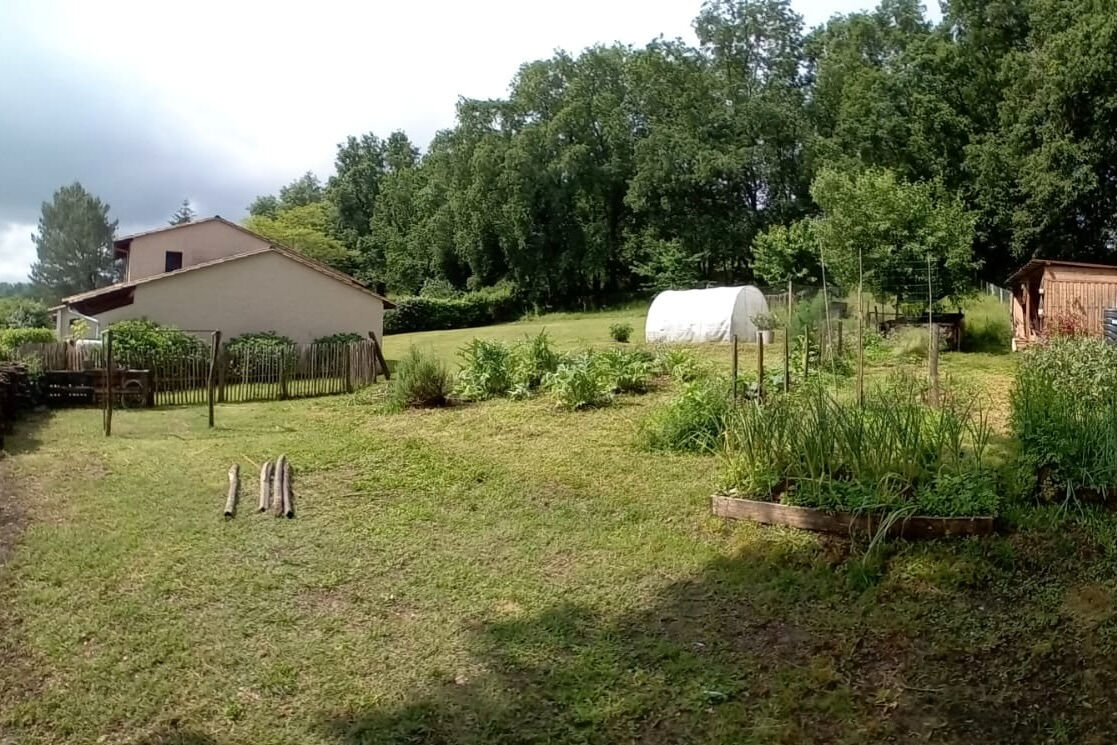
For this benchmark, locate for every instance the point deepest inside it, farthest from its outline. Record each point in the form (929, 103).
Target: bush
(626, 371)
(12, 339)
(142, 343)
(341, 337)
(420, 381)
(621, 332)
(693, 421)
(256, 355)
(532, 361)
(23, 313)
(894, 453)
(580, 383)
(1064, 414)
(679, 364)
(481, 308)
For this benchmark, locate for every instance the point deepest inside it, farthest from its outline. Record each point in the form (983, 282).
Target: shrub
(693, 421)
(486, 370)
(142, 343)
(621, 332)
(580, 383)
(12, 339)
(895, 452)
(341, 337)
(626, 371)
(1066, 324)
(420, 381)
(1064, 413)
(256, 355)
(481, 308)
(437, 287)
(23, 313)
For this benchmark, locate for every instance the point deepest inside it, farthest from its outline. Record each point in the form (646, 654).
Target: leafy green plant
(341, 337)
(532, 360)
(895, 452)
(1064, 414)
(420, 381)
(626, 371)
(679, 363)
(693, 421)
(23, 313)
(11, 339)
(766, 321)
(257, 355)
(580, 383)
(620, 332)
(486, 370)
(141, 342)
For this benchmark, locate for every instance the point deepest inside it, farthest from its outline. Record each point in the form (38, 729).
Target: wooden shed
(1046, 292)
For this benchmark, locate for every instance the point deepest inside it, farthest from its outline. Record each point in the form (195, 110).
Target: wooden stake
(787, 343)
(733, 364)
(288, 497)
(759, 365)
(860, 334)
(277, 486)
(265, 484)
(108, 383)
(234, 485)
(933, 339)
(211, 379)
(806, 350)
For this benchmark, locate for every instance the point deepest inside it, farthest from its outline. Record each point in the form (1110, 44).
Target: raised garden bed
(845, 523)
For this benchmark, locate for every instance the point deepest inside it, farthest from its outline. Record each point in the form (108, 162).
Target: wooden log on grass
(277, 486)
(234, 485)
(265, 484)
(288, 497)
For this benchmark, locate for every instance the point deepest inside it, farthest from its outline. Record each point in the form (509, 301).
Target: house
(213, 274)
(1047, 292)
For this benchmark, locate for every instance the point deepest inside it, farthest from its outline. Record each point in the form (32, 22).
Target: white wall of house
(197, 242)
(262, 292)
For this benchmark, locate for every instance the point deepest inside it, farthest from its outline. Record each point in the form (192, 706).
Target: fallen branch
(234, 484)
(265, 484)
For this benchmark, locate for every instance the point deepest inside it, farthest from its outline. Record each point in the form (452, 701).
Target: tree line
(980, 140)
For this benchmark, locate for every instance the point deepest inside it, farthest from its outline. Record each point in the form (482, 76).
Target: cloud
(17, 251)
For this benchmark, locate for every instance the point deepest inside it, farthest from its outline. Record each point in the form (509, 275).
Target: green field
(504, 572)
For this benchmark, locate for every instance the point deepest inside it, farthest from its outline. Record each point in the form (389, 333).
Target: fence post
(108, 383)
(222, 372)
(283, 373)
(378, 358)
(733, 364)
(349, 367)
(211, 381)
(806, 350)
(787, 343)
(759, 364)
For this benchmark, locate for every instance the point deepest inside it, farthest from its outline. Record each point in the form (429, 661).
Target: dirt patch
(1088, 606)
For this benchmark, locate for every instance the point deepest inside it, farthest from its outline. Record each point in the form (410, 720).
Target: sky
(147, 103)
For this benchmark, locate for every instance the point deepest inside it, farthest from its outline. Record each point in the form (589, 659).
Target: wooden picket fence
(290, 371)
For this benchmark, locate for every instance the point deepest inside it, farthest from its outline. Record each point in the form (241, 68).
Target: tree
(788, 252)
(304, 190)
(305, 229)
(892, 228)
(73, 244)
(22, 312)
(265, 205)
(184, 214)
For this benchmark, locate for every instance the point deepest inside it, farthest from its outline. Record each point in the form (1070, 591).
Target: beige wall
(199, 242)
(264, 292)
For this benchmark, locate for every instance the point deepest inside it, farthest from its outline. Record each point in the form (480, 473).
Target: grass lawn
(502, 572)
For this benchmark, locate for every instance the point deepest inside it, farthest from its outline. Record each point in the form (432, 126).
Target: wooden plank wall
(1084, 297)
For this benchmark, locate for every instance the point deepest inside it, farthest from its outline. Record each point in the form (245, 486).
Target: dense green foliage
(1064, 414)
(22, 312)
(73, 244)
(481, 308)
(341, 337)
(620, 332)
(980, 140)
(692, 421)
(420, 381)
(581, 382)
(12, 339)
(142, 342)
(815, 449)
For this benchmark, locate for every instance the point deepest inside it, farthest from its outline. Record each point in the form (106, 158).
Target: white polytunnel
(716, 314)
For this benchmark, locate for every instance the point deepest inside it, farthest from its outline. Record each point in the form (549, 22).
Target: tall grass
(420, 380)
(694, 421)
(1064, 414)
(818, 450)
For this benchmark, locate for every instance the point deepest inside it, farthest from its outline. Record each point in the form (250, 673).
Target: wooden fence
(252, 374)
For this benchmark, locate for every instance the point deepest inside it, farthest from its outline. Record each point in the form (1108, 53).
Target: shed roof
(1037, 264)
(121, 292)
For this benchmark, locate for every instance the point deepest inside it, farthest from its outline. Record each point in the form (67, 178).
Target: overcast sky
(149, 102)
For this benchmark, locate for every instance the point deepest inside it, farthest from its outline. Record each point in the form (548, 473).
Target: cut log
(234, 485)
(288, 497)
(265, 484)
(277, 486)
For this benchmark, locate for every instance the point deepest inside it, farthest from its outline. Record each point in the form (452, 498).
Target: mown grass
(507, 572)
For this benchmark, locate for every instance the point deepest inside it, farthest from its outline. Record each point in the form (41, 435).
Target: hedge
(12, 339)
(481, 308)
